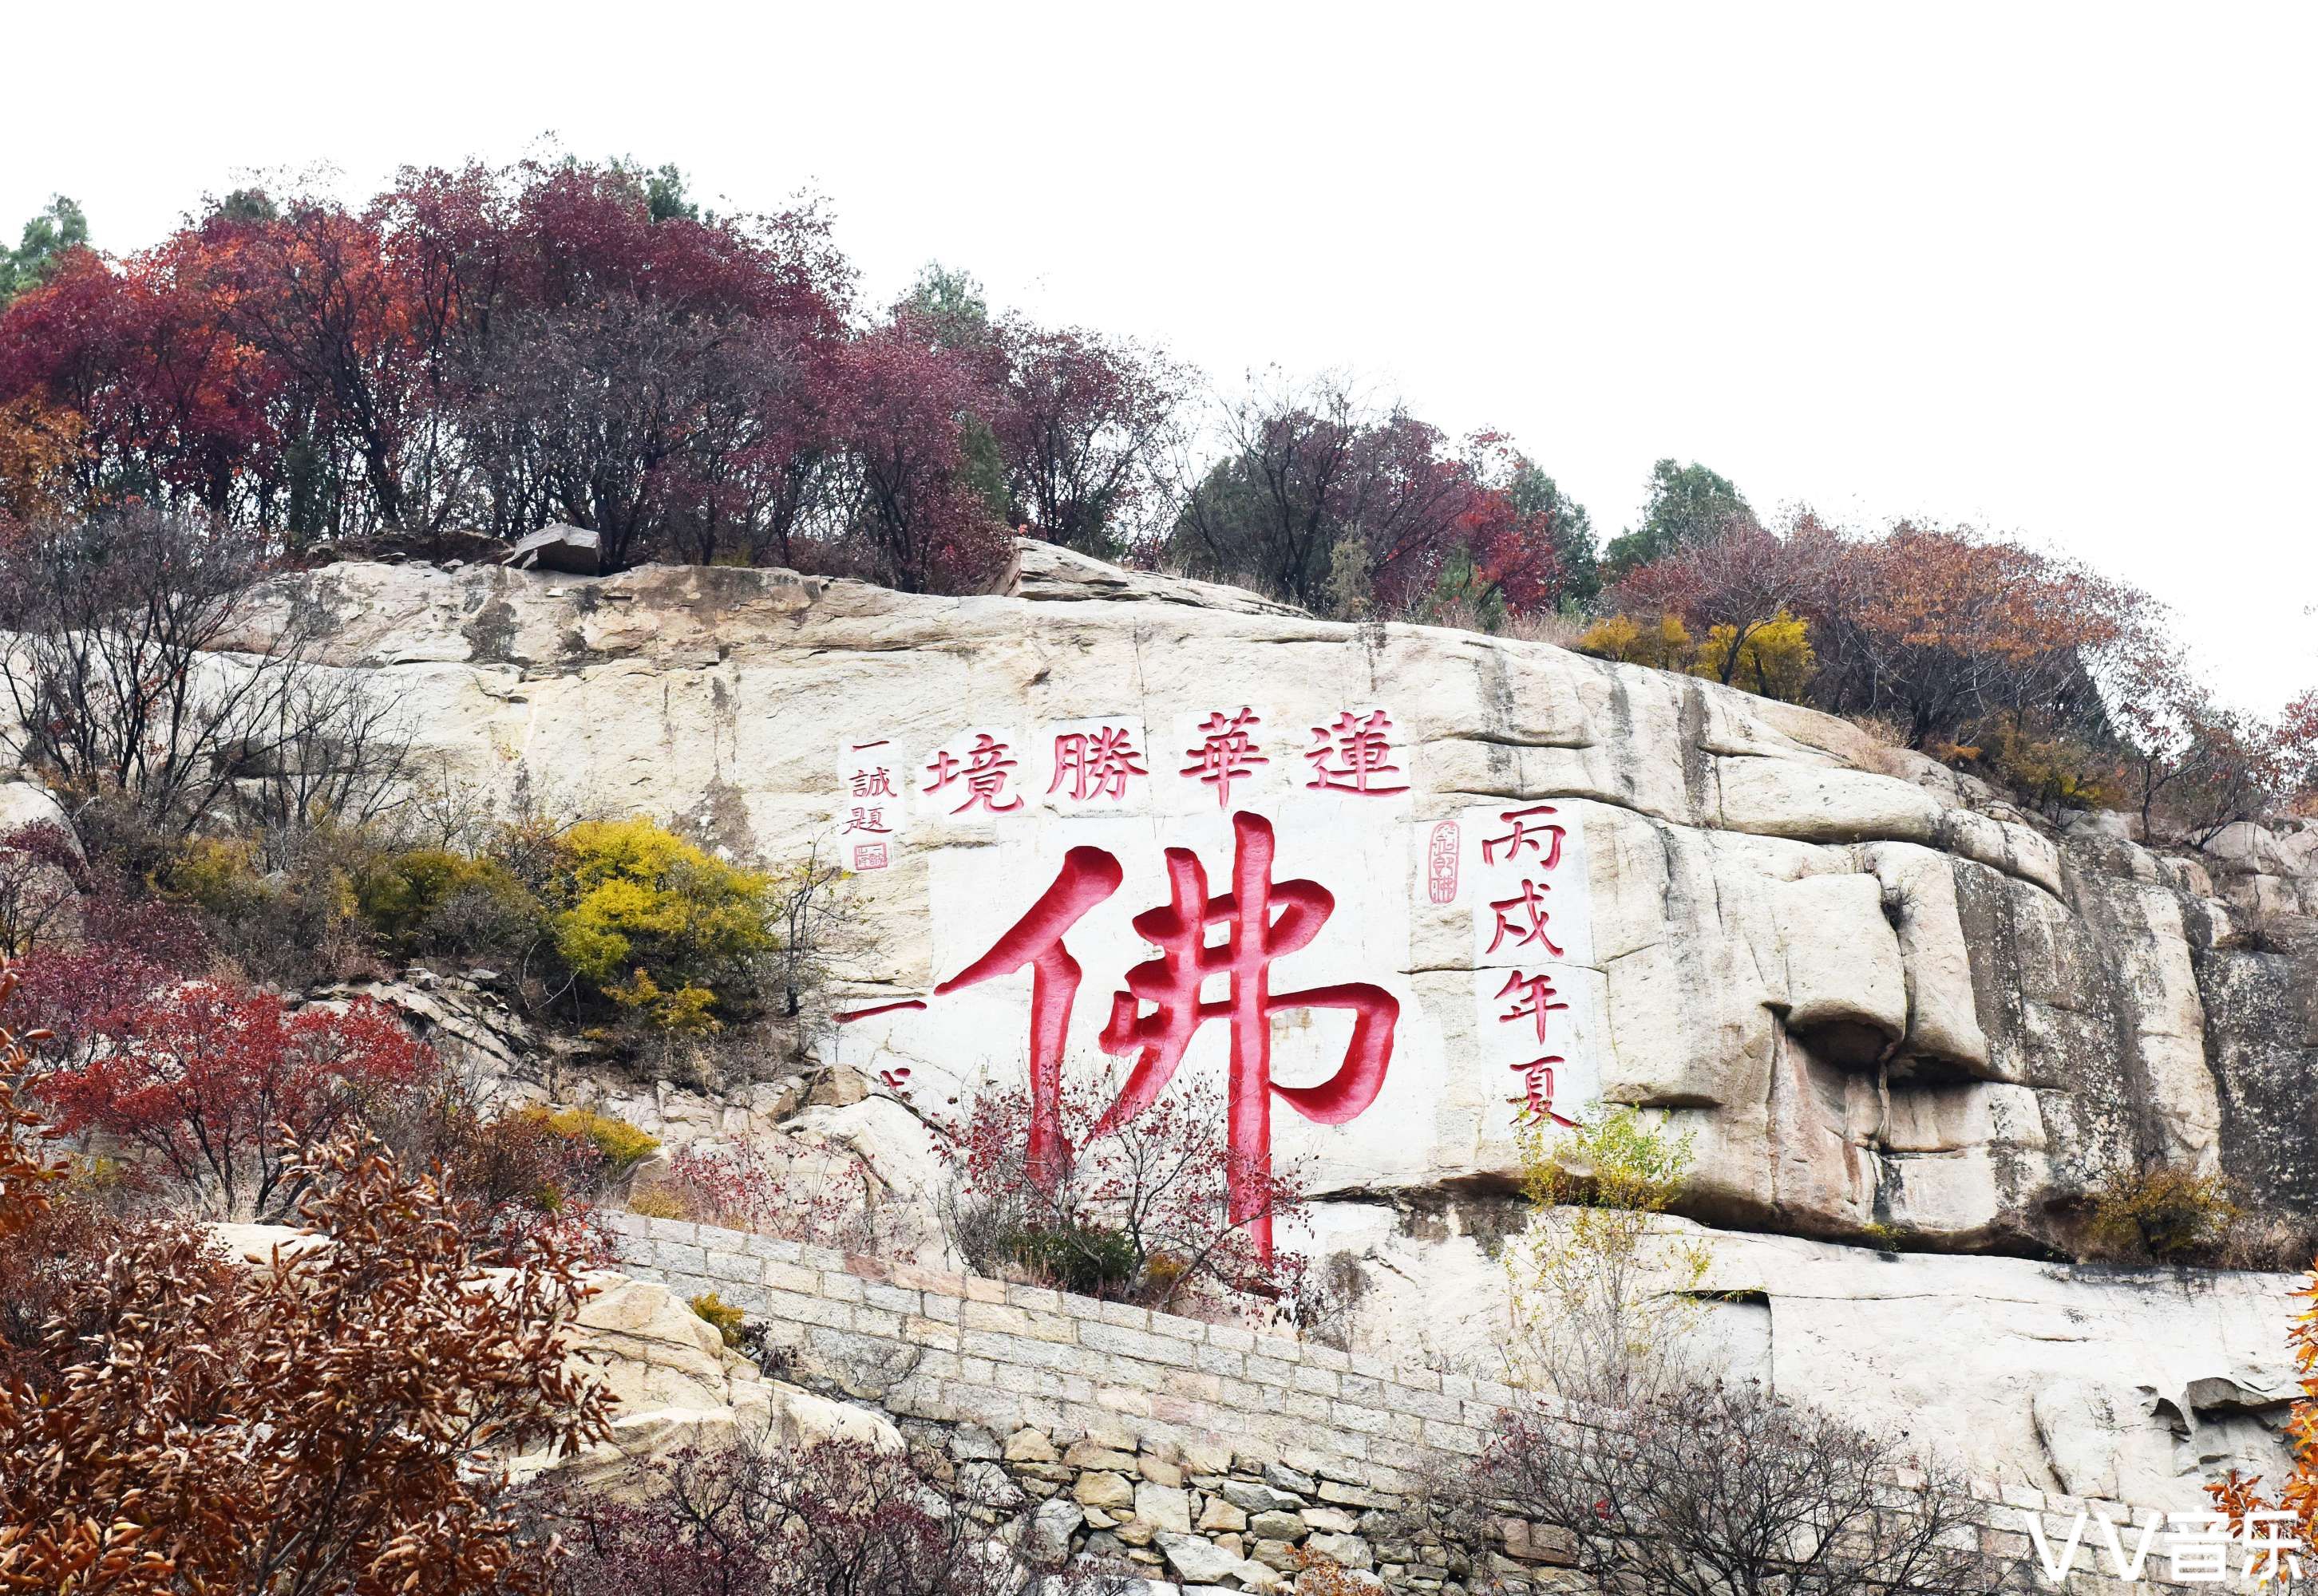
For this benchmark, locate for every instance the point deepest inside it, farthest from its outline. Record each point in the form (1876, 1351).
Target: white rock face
(2130, 1385)
(2117, 1384)
(676, 1386)
(1879, 996)
(26, 803)
(1809, 944)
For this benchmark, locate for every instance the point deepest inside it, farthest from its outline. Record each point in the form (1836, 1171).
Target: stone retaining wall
(1207, 1453)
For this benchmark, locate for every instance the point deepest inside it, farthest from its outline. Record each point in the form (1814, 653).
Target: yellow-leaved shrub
(1664, 644)
(1604, 1292)
(221, 874)
(622, 1145)
(2053, 770)
(659, 1202)
(1774, 658)
(727, 1320)
(2167, 1211)
(656, 926)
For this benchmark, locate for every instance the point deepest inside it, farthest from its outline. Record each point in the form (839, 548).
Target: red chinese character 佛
(1172, 983)
(1266, 921)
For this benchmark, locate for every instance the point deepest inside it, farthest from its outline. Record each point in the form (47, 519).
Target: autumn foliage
(2067, 688)
(834, 1518)
(209, 1097)
(224, 1088)
(495, 350)
(322, 1421)
(2297, 1494)
(1355, 509)
(28, 1168)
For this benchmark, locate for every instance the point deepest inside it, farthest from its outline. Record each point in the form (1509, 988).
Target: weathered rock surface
(2126, 1385)
(2131, 1385)
(27, 804)
(673, 1382)
(1888, 1003)
(1884, 998)
(1051, 572)
(678, 1386)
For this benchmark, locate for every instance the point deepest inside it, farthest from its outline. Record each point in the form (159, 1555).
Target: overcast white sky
(2046, 267)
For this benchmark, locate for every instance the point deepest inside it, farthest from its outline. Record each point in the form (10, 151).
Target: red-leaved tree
(223, 1088)
(304, 368)
(1345, 508)
(524, 1182)
(1084, 423)
(1746, 579)
(906, 414)
(1511, 540)
(39, 882)
(29, 1167)
(1941, 627)
(2196, 764)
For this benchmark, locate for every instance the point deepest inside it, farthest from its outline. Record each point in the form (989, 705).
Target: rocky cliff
(673, 1383)
(1899, 1013)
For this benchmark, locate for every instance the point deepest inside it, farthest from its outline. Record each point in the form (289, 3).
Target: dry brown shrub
(325, 1422)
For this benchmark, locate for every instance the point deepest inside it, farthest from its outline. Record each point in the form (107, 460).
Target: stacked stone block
(1209, 1454)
